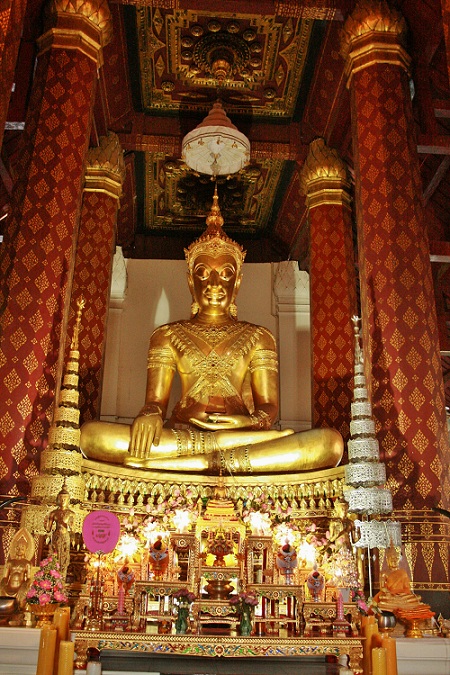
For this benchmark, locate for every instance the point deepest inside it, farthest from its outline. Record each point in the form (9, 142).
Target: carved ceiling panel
(254, 63)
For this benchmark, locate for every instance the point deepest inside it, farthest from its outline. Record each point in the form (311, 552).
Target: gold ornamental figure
(59, 523)
(229, 379)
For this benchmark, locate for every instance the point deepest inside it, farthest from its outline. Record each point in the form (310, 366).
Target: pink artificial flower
(45, 584)
(60, 597)
(31, 593)
(55, 574)
(44, 599)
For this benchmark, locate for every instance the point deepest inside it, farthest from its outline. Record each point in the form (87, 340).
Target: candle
(376, 640)
(46, 655)
(369, 630)
(379, 661)
(65, 660)
(61, 623)
(367, 619)
(391, 653)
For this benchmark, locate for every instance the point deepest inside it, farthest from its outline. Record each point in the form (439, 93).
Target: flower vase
(181, 622)
(43, 613)
(245, 624)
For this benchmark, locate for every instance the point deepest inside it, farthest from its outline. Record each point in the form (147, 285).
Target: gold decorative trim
(60, 461)
(102, 180)
(105, 171)
(220, 646)
(96, 12)
(324, 178)
(373, 33)
(46, 487)
(68, 37)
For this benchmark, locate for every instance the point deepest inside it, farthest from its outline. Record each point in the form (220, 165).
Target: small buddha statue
(215, 426)
(17, 572)
(395, 592)
(59, 523)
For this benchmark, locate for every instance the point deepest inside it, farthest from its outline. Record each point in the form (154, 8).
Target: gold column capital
(85, 25)
(373, 33)
(105, 170)
(324, 177)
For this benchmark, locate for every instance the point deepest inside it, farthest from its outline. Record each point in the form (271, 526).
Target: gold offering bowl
(8, 607)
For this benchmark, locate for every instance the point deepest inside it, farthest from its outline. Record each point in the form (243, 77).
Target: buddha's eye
(227, 273)
(201, 272)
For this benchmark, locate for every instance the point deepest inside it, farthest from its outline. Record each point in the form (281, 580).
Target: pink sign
(101, 530)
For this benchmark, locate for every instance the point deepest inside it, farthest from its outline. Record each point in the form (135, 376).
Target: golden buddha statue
(395, 592)
(229, 379)
(59, 523)
(17, 572)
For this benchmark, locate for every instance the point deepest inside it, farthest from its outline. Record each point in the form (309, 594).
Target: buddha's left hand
(221, 422)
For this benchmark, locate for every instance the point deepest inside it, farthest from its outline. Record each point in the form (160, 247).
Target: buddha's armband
(264, 359)
(160, 357)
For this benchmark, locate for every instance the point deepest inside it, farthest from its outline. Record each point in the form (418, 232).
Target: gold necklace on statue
(214, 334)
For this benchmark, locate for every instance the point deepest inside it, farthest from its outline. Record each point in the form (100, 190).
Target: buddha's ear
(190, 283)
(237, 285)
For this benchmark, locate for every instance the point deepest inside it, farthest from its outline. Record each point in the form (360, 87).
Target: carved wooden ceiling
(283, 88)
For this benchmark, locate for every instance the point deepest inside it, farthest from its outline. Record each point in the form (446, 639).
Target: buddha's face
(214, 283)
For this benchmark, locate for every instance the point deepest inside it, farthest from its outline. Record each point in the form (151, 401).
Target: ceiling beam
(312, 9)
(280, 141)
(433, 145)
(437, 178)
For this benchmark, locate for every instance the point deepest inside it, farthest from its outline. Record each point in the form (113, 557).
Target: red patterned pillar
(105, 174)
(12, 13)
(332, 286)
(36, 260)
(397, 302)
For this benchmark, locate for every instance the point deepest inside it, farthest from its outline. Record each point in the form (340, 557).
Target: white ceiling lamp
(216, 147)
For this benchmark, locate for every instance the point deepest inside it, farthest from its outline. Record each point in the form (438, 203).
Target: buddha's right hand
(145, 432)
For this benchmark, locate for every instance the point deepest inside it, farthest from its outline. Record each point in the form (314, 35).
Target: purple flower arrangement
(47, 584)
(241, 599)
(184, 595)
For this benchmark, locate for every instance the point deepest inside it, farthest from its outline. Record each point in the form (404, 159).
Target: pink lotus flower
(44, 599)
(60, 597)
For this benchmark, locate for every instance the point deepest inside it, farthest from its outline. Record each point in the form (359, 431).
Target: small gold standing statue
(60, 523)
(344, 536)
(16, 579)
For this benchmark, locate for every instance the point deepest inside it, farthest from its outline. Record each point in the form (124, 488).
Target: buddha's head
(340, 508)
(63, 498)
(214, 267)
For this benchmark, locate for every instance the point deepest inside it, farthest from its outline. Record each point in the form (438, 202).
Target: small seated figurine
(158, 557)
(287, 561)
(215, 426)
(395, 592)
(16, 580)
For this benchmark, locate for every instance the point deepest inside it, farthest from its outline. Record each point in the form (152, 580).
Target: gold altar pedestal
(219, 646)
(318, 617)
(113, 485)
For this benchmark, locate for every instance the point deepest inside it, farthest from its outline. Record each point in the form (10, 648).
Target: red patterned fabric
(333, 303)
(93, 264)
(36, 258)
(398, 310)
(11, 22)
